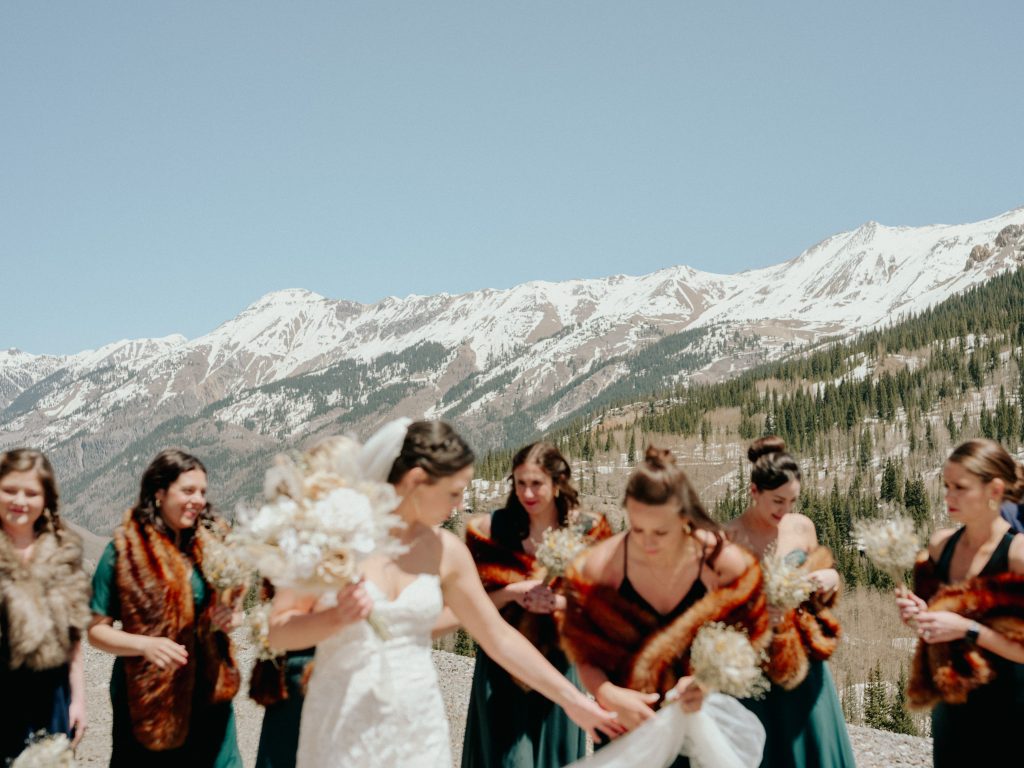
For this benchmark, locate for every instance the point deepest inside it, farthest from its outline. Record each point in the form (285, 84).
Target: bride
(377, 702)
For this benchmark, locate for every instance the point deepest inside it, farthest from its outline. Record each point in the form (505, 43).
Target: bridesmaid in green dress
(174, 676)
(804, 724)
(509, 726)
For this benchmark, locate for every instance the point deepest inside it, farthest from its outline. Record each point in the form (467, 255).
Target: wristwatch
(971, 636)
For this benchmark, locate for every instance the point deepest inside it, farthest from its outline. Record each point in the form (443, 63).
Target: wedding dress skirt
(374, 702)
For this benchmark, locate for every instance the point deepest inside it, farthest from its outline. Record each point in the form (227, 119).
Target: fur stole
(155, 592)
(950, 671)
(808, 632)
(45, 600)
(601, 628)
(268, 683)
(500, 565)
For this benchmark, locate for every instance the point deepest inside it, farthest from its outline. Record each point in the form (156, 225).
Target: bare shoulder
(731, 562)
(602, 563)
(801, 528)
(938, 541)
(480, 523)
(1017, 554)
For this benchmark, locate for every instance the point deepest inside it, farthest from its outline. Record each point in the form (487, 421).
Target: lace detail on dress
(373, 702)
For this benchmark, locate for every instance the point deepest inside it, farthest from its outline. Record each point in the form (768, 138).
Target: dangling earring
(687, 528)
(557, 492)
(157, 501)
(993, 505)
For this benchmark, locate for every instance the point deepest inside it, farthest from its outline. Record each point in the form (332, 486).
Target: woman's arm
(295, 625)
(464, 593)
(632, 708)
(943, 626)
(161, 651)
(76, 710)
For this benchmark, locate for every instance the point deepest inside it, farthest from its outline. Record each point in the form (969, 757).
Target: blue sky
(165, 164)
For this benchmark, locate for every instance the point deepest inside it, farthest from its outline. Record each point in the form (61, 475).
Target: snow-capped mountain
(501, 363)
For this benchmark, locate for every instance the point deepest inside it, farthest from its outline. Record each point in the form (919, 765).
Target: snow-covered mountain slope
(501, 363)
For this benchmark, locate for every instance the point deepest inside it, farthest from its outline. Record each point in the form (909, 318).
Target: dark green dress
(992, 713)
(279, 736)
(211, 739)
(507, 727)
(805, 727)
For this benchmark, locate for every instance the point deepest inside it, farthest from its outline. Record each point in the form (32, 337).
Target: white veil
(722, 734)
(382, 448)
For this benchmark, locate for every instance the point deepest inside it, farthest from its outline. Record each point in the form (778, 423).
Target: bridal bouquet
(46, 752)
(890, 544)
(723, 660)
(223, 566)
(559, 547)
(321, 520)
(786, 585)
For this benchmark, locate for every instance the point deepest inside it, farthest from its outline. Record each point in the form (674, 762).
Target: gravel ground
(873, 749)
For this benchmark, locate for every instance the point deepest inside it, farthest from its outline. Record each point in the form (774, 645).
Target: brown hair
(160, 475)
(552, 462)
(773, 466)
(658, 480)
(988, 460)
(31, 460)
(434, 447)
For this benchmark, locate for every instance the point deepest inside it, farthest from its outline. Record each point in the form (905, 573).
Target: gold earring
(993, 505)
(687, 528)
(158, 503)
(557, 492)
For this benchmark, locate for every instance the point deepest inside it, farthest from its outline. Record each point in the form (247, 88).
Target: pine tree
(899, 719)
(875, 699)
(890, 488)
(631, 452)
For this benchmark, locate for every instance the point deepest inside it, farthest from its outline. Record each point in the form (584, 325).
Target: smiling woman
(43, 606)
(175, 676)
(801, 713)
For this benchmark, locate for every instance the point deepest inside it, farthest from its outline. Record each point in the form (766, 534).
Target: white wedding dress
(373, 702)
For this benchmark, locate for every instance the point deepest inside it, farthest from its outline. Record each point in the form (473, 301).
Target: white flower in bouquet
(723, 660)
(316, 540)
(257, 621)
(891, 544)
(785, 585)
(46, 752)
(223, 566)
(557, 550)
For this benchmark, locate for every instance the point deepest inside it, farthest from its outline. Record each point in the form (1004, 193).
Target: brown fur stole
(500, 566)
(155, 592)
(949, 671)
(601, 628)
(45, 600)
(808, 632)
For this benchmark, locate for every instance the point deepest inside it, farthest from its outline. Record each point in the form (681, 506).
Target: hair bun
(764, 446)
(659, 458)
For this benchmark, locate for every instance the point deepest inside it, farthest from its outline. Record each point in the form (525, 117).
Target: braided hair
(434, 447)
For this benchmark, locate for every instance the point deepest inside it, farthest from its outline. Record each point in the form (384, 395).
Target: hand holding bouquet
(320, 522)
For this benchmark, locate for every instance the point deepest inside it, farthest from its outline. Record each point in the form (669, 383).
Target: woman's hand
(164, 652)
(224, 618)
(910, 605)
(591, 717)
(354, 604)
(689, 693)
(632, 707)
(76, 719)
(941, 626)
(517, 592)
(540, 599)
